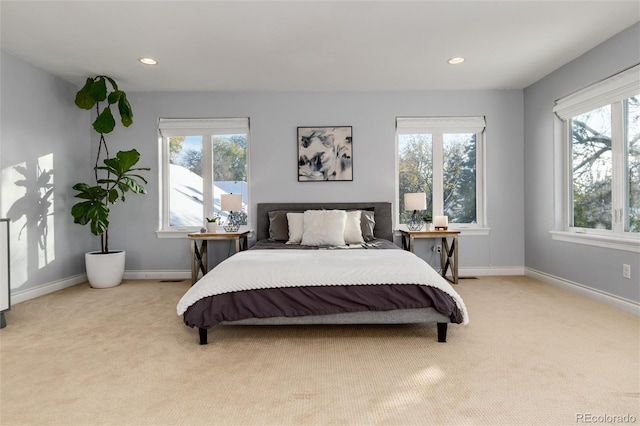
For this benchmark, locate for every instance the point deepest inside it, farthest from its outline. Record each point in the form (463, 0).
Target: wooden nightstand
(448, 253)
(199, 259)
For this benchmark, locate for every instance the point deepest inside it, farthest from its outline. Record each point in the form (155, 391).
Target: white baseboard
(32, 293)
(157, 275)
(599, 295)
(491, 270)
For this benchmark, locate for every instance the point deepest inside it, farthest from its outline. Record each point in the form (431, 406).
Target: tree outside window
(203, 159)
(601, 194)
(415, 163)
(605, 167)
(444, 163)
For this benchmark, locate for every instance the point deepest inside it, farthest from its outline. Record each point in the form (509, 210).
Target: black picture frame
(325, 153)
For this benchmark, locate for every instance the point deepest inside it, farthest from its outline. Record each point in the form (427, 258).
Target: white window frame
(611, 91)
(207, 128)
(437, 127)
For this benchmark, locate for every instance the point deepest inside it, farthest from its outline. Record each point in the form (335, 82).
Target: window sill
(470, 231)
(175, 233)
(631, 244)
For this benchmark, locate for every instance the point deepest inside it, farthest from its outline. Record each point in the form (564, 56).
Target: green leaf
(128, 158)
(99, 216)
(94, 212)
(123, 161)
(123, 187)
(80, 187)
(134, 186)
(114, 96)
(98, 212)
(113, 196)
(105, 123)
(85, 196)
(80, 212)
(84, 99)
(126, 113)
(113, 83)
(98, 89)
(87, 192)
(136, 176)
(99, 227)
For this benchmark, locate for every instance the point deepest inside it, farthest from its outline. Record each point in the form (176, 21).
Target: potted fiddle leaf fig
(114, 178)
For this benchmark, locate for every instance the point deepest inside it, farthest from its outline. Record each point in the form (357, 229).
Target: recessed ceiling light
(148, 61)
(457, 60)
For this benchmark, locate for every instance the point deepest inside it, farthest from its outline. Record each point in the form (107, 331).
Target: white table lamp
(231, 203)
(415, 201)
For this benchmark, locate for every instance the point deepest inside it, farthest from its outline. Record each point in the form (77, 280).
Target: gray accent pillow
(278, 226)
(367, 223)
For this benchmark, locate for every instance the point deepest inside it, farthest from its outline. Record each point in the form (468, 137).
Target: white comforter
(259, 269)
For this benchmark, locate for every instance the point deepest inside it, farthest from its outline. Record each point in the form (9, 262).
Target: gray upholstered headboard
(382, 210)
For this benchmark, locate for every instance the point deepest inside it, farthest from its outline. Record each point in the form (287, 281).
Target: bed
(322, 263)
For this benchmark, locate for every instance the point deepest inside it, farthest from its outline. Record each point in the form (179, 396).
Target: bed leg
(203, 335)
(442, 332)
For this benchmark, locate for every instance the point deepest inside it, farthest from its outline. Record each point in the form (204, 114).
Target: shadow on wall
(31, 211)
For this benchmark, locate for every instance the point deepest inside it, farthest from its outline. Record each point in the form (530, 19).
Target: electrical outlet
(437, 249)
(626, 271)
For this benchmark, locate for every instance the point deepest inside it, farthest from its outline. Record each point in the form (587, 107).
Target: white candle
(441, 221)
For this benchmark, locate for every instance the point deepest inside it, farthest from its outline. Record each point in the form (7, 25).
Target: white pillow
(324, 228)
(352, 229)
(295, 221)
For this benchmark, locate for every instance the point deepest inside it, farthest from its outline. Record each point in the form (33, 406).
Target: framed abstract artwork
(325, 154)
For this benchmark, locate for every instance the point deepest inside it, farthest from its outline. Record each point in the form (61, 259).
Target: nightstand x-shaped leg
(199, 259)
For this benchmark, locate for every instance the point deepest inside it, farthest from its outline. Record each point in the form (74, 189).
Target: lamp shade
(441, 221)
(415, 201)
(231, 202)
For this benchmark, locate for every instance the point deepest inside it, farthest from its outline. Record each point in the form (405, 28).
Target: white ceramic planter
(212, 226)
(104, 270)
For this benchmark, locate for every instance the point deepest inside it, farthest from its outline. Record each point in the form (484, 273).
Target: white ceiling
(309, 45)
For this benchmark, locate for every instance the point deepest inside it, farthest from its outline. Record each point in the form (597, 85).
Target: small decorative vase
(211, 227)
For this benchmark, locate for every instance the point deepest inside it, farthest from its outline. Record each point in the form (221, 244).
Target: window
(444, 158)
(195, 152)
(602, 140)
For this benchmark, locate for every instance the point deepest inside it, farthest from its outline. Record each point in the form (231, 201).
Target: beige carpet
(532, 354)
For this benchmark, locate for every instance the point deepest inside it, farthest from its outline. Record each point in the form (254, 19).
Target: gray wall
(44, 150)
(42, 121)
(598, 268)
(273, 163)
